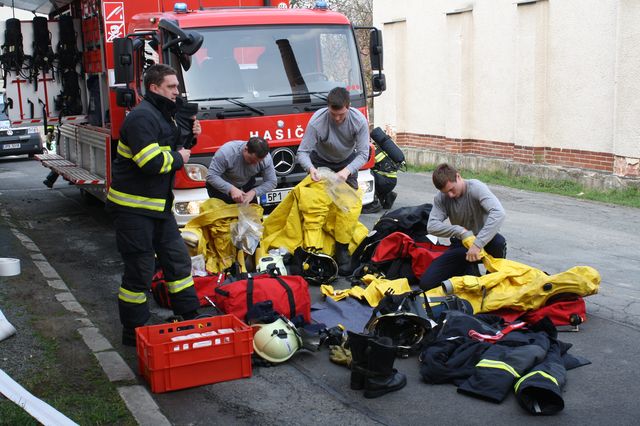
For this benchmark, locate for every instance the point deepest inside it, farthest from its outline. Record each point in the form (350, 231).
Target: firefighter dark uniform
(140, 199)
(530, 361)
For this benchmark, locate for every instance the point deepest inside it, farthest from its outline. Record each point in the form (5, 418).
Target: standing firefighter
(140, 199)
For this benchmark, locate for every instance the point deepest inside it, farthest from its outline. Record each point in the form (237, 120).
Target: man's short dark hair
(338, 98)
(258, 146)
(156, 74)
(442, 174)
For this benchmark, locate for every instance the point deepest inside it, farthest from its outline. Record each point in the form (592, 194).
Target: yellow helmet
(277, 341)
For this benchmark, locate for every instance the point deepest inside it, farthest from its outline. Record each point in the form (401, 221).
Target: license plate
(11, 146)
(274, 197)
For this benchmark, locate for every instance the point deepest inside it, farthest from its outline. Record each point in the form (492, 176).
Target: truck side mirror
(375, 49)
(379, 83)
(123, 60)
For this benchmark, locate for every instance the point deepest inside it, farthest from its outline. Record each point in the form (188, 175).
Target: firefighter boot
(343, 259)
(389, 199)
(382, 378)
(128, 336)
(359, 346)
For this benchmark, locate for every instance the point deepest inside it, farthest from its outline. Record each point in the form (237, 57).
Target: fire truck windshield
(273, 66)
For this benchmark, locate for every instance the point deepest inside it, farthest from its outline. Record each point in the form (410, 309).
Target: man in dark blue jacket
(140, 199)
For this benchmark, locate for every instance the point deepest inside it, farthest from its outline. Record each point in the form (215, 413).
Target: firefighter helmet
(408, 332)
(277, 341)
(317, 268)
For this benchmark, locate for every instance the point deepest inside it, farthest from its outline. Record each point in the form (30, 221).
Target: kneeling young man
(472, 209)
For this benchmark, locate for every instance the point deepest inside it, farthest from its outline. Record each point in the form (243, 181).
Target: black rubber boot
(382, 378)
(343, 259)
(128, 336)
(359, 346)
(373, 207)
(389, 199)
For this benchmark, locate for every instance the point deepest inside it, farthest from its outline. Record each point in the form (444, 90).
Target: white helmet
(277, 341)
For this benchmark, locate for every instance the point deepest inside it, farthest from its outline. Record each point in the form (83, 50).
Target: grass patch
(81, 392)
(629, 197)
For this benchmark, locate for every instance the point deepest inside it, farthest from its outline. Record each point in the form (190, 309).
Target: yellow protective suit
(213, 229)
(375, 289)
(509, 284)
(308, 217)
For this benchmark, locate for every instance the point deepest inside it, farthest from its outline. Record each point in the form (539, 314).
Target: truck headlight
(31, 130)
(188, 208)
(196, 172)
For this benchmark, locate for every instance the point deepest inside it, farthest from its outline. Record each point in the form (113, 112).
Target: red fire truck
(254, 67)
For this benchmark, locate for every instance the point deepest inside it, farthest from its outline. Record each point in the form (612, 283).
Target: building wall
(546, 81)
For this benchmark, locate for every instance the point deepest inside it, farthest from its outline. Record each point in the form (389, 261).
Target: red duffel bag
(289, 294)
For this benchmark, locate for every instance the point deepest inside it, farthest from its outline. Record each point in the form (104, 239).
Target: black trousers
(140, 239)
(453, 262)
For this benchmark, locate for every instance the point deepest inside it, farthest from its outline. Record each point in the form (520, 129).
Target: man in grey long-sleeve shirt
(232, 173)
(472, 209)
(336, 137)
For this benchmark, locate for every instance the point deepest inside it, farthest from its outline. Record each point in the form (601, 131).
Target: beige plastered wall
(547, 81)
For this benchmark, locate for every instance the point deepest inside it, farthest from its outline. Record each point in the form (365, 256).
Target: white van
(17, 140)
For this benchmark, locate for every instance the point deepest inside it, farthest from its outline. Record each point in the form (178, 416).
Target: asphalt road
(550, 232)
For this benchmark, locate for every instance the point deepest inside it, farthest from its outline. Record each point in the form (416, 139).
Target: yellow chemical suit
(510, 284)
(374, 292)
(308, 217)
(213, 229)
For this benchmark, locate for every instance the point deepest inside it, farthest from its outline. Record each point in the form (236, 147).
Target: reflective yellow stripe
(135, 201)
(148, 153)
(542, 373)
(165, 148)
(131, 297)
(388, 174)
(168, 162)
(490, 363)
(380, 156)
(124, 150)
(179, 285)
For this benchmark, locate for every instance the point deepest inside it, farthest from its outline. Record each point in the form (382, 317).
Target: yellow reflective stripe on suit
(131, 297)
(136, 201)
(168, 162)
(179, 285)
(490, 363)
(380, 156)
(542, 373)
(146, 154)
(387, 174)
(124, 150)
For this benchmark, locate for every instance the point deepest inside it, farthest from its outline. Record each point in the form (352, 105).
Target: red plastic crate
(170, 365)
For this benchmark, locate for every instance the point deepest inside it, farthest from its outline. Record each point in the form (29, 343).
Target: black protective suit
(532, 361)
(140, 199)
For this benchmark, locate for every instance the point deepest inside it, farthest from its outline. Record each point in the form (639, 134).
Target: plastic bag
(342, 195)
(246, 233)
(198, 268)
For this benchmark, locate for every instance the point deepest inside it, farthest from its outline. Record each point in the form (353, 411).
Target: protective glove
(340, 355)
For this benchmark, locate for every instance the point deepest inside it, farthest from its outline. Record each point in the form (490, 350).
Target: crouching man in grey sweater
(472, 209)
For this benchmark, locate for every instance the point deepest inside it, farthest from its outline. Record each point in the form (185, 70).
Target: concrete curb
(588, 178)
